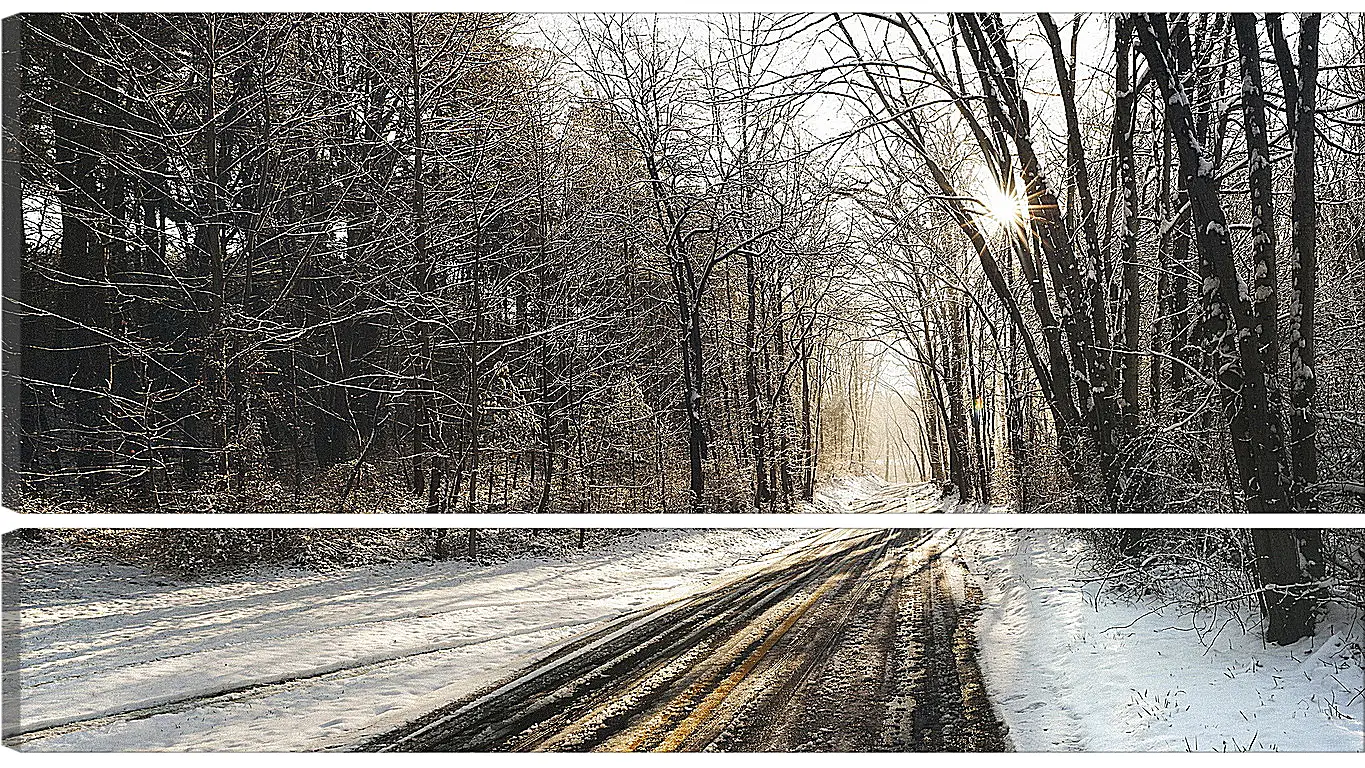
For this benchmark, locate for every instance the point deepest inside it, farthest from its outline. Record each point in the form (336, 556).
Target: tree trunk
(1239, 359)
(1301, 106)
(757, 438)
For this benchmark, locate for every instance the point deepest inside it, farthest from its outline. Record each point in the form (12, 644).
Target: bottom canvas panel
(683, 640)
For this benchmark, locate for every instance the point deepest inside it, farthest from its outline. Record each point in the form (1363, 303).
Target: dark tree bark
(959, 465)
(1300, 95)
(1241, 375)
(1130, 296)
(80, 356)
(757, 436)
(1240, 359)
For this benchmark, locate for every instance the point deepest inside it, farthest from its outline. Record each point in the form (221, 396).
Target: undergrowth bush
(1207, 571)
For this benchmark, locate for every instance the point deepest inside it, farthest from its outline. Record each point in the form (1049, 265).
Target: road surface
(858, 641)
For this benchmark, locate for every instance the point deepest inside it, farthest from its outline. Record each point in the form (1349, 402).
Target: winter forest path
(900, 498)
(874, 495)
(859, 641)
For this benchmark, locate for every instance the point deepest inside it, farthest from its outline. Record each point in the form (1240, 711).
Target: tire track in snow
(805, 654)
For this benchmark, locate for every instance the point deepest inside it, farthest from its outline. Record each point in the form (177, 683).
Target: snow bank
(1068, 671)
(314, 660)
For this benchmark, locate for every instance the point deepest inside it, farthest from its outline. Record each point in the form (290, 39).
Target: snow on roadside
(320, 659)
(836, 496)
(1069, 672)
(871, 494)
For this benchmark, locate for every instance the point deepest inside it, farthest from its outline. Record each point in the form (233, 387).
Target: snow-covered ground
(317, 660)
(290, 659)
(870, 494)
(1070, 672)
(835, 497)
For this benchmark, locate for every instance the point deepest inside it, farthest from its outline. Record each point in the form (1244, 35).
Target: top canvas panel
(387, 263)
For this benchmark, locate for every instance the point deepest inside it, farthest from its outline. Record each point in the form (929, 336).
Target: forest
(605, 263)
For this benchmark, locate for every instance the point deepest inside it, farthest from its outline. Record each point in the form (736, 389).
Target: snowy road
(856, 641)
(114, 657)
(668, 639)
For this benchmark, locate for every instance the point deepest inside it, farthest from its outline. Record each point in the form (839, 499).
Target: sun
(1007, 208)
(1002, 206)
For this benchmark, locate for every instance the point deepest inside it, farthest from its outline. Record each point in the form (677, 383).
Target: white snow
(1069, 671)
(325, 660)
(321, 659)
(836, 496)
(871, 494)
